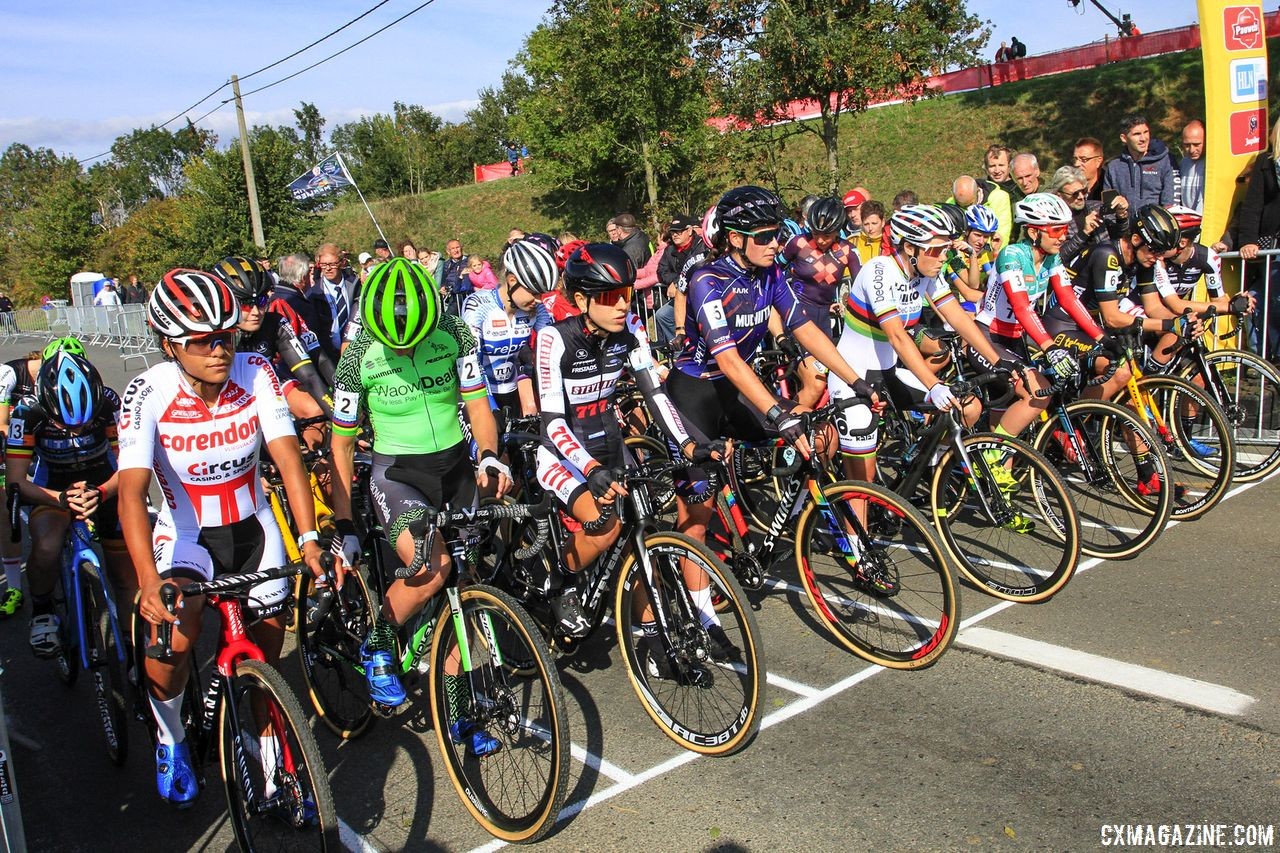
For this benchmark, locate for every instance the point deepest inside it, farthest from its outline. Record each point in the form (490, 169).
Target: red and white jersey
(204, 458)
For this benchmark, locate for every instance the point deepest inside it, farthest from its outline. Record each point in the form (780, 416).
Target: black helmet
(826, 216)
(955, 213)
(748, 208)
(546, 241)
(247, 278)
(1157, 228)
(597, 268)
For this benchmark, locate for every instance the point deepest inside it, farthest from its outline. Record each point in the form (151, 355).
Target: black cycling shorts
(406, 484)
(717, 410)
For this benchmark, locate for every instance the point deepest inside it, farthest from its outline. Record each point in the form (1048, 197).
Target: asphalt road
(1045, 726)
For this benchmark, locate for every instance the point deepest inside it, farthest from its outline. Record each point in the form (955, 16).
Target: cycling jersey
(1168, 278)
(205, 458)
(60, 456)
(15, 381)
(816, 274)
(501, 337)
(728, 307)
(559, 307)
(882, 291)
(1018, 295)
(958, 263)
(411, 399)
(577, 372)
(275, 341)
(310, 342)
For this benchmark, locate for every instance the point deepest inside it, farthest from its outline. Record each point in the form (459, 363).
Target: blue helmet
(980, 218)
(69, 390)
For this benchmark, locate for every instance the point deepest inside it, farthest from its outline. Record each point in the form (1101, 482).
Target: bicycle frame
(80, 548)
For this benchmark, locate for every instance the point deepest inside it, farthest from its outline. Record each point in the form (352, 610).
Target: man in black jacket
(632, 240)
(680, 245)
(1258, 225)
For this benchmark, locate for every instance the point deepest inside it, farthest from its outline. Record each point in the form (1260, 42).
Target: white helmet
(710, 227)
(919, 225)
(532, 265)
(191, 302)
(1041, 209)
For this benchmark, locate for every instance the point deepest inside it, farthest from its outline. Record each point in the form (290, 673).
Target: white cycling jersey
(882, 291)
(205, 459)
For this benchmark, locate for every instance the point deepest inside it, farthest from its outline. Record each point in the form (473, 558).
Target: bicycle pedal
(387, 711)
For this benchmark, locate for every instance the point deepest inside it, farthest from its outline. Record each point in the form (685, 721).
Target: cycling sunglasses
(1054, 232)
(933, 251)
(764, 236)
(206, 344)
(260, 302)
(612, 297)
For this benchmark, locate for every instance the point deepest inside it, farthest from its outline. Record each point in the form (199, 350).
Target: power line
(316, 42)
(339, 53)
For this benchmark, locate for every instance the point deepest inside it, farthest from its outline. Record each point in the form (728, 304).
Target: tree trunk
(830, 139)
(650, 177)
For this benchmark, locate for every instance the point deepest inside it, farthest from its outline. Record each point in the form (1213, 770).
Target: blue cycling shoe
(481, 743)
(1201, 450)
(175, 777)
(384, 681)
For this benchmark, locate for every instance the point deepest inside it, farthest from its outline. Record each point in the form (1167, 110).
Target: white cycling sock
(13, 572)
(269, 756)
(169, 730)
(706, 610)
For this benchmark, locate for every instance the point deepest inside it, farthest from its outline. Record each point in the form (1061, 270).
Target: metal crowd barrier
(1256, 331)
(124, 327)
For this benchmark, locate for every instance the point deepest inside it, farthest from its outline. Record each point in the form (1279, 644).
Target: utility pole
(255, 216)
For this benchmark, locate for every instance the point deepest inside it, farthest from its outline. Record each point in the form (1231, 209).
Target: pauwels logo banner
(328, 176)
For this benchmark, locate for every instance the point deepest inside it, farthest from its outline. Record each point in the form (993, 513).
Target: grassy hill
(922, 146)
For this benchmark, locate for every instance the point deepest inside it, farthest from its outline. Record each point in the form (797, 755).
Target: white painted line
(792, 686)
(879, 610)
(1127, 676)
(353, 840)
(800, 705)
(598, 764)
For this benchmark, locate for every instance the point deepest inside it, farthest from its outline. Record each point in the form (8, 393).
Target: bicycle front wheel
(277, 790)
(883, 588)
(506, 698)
(1250, 399)
(107, 665)
(329, 651)
(1196, 437)
(1117, 473)
(703, 682)
(1008, 520)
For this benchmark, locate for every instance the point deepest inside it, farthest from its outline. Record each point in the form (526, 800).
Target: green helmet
(67, 344)
(400, 304)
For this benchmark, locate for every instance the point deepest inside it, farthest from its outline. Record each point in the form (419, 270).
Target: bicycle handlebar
(423, 529)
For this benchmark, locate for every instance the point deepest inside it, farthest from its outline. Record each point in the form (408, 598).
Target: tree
(27, 178)
(311, 123)
(617, 102)
(765, 54)
(54, 237)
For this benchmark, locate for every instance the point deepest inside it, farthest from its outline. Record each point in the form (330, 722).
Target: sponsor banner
(327, 176)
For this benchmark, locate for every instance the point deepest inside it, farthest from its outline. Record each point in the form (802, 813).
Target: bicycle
(89, 630)
(277, 798)
(705, 694)
(515, 695)
(882, 587)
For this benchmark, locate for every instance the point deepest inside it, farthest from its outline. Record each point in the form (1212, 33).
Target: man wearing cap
(381, 250)
(631, 239)
(853, 201)
(680, 245)
(365, 263)
(107, 296)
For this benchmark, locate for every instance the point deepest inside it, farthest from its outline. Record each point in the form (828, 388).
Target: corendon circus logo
(1242, 27)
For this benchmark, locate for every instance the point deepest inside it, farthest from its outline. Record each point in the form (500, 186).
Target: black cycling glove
(600, 480)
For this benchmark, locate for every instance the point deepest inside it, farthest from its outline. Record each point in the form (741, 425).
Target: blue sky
(76, 74)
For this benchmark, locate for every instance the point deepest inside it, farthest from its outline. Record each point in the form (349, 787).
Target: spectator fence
(124, 327)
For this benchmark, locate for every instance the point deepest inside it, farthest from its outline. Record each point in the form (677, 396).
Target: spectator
(997, 163)
(1258, 229)
(381, 250)
(480, 274)
(869, 242)
(1003, 54)
(513, 235)
(266, 265)
(853, 201)
(681, 243)
(1068, 183)
(513, 157)
(304, 299)
(335, 282)
(366, 262)
(453, 281)
(1088, 157)
(1017, 49)
(631, 239)
(408, 251)
(905, 198)
(1191, 167)
(135, 293)
(1142, 173)
(1026, 174)
(967, 191)
(6, 304)
(107, 297)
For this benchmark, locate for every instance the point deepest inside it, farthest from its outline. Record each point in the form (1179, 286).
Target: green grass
(922, 146)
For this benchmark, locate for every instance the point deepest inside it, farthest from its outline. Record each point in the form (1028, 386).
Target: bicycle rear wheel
(277, 790)
(509, 689)
(1251, 404)
(1100, 465)
(107, 665)
(907, 626)
(1196, 437)
(705, 688)
(329, 653)
(1009, 522)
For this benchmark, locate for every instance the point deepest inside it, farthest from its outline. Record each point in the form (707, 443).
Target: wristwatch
(309, 536)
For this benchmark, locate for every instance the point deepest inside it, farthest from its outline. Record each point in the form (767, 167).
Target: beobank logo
(1242, 27)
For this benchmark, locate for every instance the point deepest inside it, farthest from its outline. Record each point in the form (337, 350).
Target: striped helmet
(533, 266)
(191, 302)
(919, 225)
(400, 304)
(1188, 220)
(246, 277)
